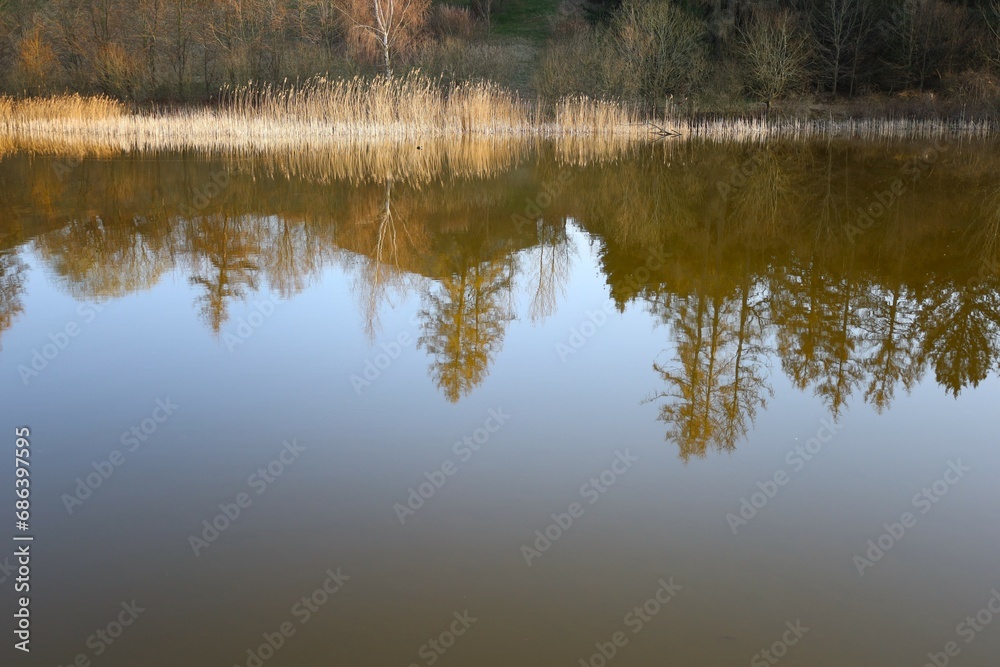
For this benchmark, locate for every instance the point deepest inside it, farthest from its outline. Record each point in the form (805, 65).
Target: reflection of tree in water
(866, 314)
(961, 326)
(390, 242)
(960, 321)
(983, 238)
(719, 378)
(840, 367)
(464, 319)
(13, 272)
(108, 258)
(225, 262)
(817, 316)
(761, 200)
(893, 347)
(549, 263)
(292, 255)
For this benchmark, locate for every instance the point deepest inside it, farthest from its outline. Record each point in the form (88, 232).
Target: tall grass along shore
(409, 109)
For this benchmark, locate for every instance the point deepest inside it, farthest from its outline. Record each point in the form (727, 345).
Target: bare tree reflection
(225, 262)
(550, 262)
(391, 241)
(112, 257)
(292, 255)
(13, 272)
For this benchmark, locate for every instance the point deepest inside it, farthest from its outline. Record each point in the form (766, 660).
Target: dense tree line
(188, 49)
(710, 52)
(713, 53)
(160, 49)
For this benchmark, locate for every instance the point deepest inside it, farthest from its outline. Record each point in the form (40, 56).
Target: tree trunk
(386, 58)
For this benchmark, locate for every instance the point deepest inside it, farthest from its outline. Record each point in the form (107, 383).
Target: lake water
(681, 405)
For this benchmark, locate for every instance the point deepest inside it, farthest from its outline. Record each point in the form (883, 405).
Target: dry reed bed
(318, 112)
(363, 114)
(757, 130)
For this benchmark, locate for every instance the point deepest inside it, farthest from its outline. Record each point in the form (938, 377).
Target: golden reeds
(412, 110)
(319, 111)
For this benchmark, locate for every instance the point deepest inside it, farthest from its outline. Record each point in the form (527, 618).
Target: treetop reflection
(761, 272)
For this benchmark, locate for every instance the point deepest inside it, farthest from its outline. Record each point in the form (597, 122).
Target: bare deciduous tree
(662, 47)
(484, 9)
(923, 39)
(387, 27)
(776, 53)
(840, 27)
(180, 40)
(35, 62)
(149, 36)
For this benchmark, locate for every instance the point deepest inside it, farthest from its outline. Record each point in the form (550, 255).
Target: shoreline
(413, 109)
(220, 132)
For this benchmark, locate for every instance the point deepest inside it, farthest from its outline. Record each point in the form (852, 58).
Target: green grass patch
(524, 18)
(528, 19)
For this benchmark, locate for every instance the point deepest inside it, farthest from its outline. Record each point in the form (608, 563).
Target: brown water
(698, 369)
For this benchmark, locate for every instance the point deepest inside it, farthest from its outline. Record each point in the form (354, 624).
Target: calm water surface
(505, 399)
